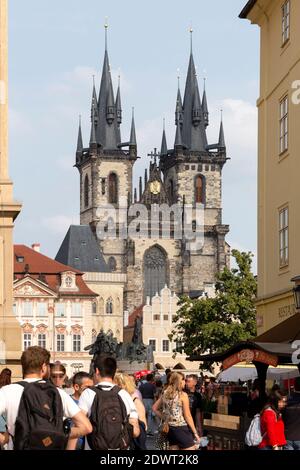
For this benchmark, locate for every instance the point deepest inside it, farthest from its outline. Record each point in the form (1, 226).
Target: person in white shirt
(35, 363)
(105, 370)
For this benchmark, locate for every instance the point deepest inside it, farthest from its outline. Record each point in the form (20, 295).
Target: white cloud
(59, 224)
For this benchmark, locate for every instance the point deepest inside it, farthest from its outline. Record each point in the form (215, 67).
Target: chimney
(36, 247)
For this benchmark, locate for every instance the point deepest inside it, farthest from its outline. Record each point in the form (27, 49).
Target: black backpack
(111, 427)
(40, 424)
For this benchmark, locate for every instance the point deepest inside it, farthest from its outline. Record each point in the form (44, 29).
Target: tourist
(164, 378)
(291, 418)
(148, 391)
(5, 379)
(271, 422)
(35, 367)
(127, 383)
(109, 407)
(195, 400)
(80, 382)
(256, 400)
(174, 410)
(58, 374)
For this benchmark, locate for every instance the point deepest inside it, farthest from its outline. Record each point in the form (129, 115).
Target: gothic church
(188, 173)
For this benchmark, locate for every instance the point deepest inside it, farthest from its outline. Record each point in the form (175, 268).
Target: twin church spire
(191, 115)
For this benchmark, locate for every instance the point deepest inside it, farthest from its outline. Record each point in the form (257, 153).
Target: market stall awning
(250, 351)
(246, 372)
(285, 332)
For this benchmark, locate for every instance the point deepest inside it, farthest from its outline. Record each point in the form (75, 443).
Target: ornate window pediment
(68, 282)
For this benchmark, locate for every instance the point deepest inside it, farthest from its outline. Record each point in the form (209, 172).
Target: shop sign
(250, 355)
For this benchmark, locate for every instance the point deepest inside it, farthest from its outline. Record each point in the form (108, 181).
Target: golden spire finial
(191, 33)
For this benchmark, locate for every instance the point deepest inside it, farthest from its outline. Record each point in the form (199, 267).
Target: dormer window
(20, 259)
(68, 282)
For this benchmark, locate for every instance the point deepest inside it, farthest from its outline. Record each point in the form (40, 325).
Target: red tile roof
(43, 268)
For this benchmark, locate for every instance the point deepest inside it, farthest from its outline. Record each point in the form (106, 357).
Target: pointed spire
(94, 115)
(146, 177)
(164, 147)
(141, 188)
(194, 137)
(107, 128)
(106, 28)
(204, 105)
(191, 33)
(132, 133)
(118, 104)
(93, 139)
(196, 105)
(79, 140)
(222, 144)
(178, 137)
(179, 109)
(135, 195)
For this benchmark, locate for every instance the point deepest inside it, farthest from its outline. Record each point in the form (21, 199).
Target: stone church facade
(188, 174)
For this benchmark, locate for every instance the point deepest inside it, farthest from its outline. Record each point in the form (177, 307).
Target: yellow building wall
(278, 175)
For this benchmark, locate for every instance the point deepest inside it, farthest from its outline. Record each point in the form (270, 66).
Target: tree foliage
(209, 325)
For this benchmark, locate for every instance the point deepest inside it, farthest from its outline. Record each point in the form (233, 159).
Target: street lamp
(296, 292)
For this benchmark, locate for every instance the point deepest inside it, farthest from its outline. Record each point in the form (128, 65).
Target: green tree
(209, 325)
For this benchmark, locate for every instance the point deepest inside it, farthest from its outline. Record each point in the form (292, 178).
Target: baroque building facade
(188, 175)
(54, 307)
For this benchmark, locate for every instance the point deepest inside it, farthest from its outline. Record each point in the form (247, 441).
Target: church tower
(10, 332)
(104, 166)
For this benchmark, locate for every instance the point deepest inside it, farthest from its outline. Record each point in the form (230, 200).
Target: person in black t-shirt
(195, 400)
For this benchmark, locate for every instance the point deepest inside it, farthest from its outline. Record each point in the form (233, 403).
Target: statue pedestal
(131, 368)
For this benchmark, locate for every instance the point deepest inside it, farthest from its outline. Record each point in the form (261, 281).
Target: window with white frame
(284, 122)
(285, 21)
(76, 309)
(27, 340)
(42, 340)
(60, 309)
(42, 309)
(60, 342)
(284, 236)
(152, 342)
(76, 343)
(28, 309)
(165, 345)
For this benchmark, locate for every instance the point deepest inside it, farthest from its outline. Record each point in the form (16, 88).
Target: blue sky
(55, 48)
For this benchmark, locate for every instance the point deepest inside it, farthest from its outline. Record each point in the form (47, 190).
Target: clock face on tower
(155, 187)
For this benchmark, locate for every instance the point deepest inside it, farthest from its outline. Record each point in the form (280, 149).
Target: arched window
(155, 271)
(109, 307)
(112, 264)
(86, 191)
(200, 190)
(113, 188)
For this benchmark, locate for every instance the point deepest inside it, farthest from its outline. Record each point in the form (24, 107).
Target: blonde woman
(174, 409)
(127, 382)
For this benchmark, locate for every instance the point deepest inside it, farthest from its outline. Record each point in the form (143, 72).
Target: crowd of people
(109, 410)
(113, 410)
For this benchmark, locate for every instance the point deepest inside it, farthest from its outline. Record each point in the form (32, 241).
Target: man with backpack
(110, 409)
(36, 409)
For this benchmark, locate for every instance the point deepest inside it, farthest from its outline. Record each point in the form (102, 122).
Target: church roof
(28, 262)
(81, 251)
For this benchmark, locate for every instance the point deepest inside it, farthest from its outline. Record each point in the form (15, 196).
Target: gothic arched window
(109, 306)
(86, 191)
(113, 188)
(155, 271)
(112, 264)
(200, 189)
